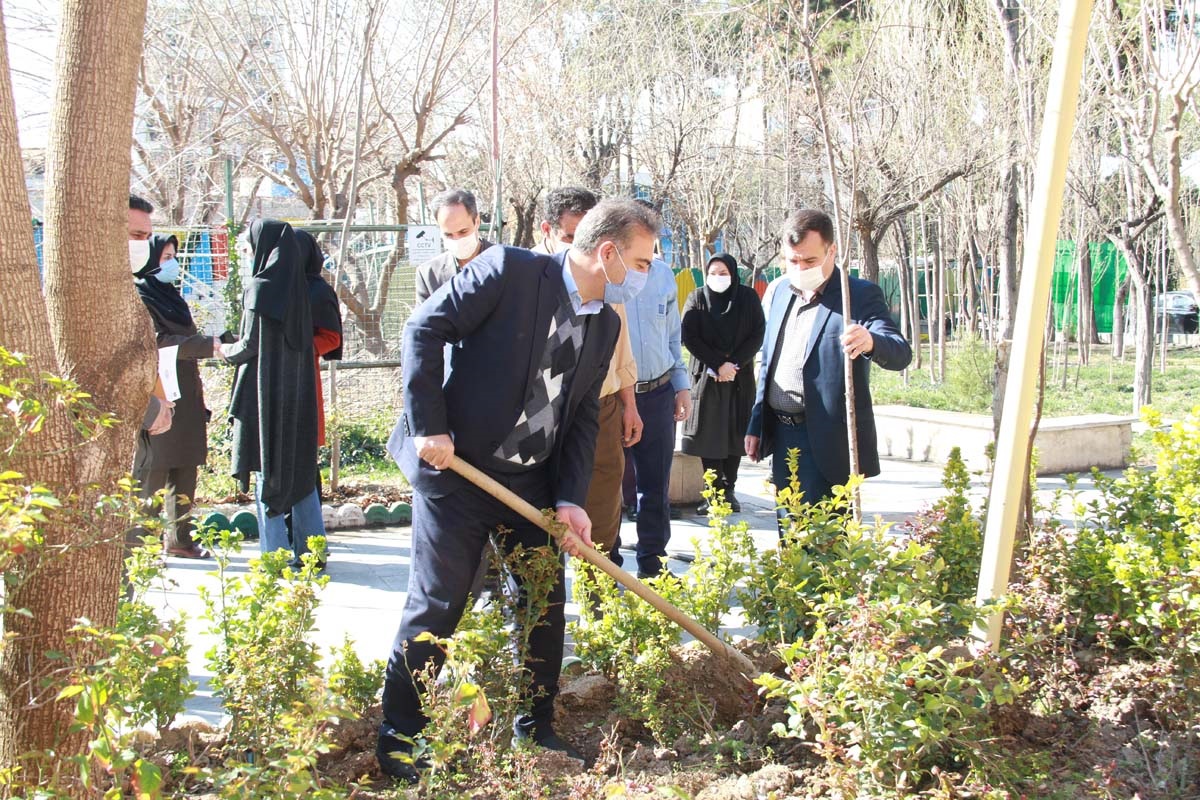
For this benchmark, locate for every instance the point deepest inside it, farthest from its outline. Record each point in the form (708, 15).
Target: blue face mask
(628, 289)
(168, 271)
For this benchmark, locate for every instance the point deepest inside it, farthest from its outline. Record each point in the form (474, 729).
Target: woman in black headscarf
(326, 317)
(723, 327)
(273, 406)
(170, 460)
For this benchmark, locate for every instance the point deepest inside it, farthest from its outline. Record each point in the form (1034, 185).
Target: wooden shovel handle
(600, 561)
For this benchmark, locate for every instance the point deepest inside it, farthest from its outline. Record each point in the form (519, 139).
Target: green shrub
(630, 642)
(357, 684)
(1140, 537)
(954, 534)
(481, 687)
(263, 657)
(362, 444)
(884, 707)
(827, 555)
(285, 766)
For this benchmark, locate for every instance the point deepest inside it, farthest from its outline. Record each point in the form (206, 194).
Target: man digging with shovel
(533, 344)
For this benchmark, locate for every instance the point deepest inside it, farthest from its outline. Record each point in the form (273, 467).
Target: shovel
(600, 561)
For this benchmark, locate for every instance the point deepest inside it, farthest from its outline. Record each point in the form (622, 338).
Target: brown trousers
(603, 504)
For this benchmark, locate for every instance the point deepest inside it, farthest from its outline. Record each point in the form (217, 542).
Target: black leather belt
(789, 419)
(641, 387)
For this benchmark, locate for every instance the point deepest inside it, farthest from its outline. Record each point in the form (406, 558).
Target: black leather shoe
(631, 513)
(702, 509)
(543, 736)
(395, 760)
(735, 506)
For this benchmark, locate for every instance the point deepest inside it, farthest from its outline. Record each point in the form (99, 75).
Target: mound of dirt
(697, 675)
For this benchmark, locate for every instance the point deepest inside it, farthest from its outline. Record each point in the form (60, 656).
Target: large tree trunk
(93, 330)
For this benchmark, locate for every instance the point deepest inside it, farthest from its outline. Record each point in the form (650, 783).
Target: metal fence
(376, 285)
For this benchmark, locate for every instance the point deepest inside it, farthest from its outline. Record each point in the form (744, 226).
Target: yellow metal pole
(1012, 468)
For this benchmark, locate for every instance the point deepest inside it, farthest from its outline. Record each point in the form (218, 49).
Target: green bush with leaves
(884, 706)
(481, 687)
(630, 642)
(285, 767)
(362, 443)
(264, 655)
(357, 684)
(825, 554)
(1140, 537)
(954, 534)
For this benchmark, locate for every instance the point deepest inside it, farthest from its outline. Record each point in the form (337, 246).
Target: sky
(30, 26)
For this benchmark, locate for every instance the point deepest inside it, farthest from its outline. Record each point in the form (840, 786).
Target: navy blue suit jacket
(824, 377)
(497, 311)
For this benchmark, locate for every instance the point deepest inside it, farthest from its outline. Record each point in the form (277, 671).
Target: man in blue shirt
(663, 398)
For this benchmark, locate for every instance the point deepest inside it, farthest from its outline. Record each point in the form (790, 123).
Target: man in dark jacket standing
(532, 344)
(801, 397)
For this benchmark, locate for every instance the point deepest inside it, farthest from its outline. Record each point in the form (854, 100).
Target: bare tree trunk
(1173, 209)
(930, 306)
(92, 329)
(870, 254)
(974, 287)
(940, 311)
(1118, 316)
(1087, 311)
(1008, 254)
(915, 300)
(905, 286)
(524, 232)
(1143, 360)
(1000, 376)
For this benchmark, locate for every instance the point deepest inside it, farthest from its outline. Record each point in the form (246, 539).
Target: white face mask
(718, 283)
(806, 280)
(463, 248)
(139, 254)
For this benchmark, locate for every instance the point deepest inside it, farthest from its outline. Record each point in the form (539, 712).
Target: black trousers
(448, 536)
(180, 483)
(727, 472)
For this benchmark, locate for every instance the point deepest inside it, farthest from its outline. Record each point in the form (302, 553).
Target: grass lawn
(1105, 386)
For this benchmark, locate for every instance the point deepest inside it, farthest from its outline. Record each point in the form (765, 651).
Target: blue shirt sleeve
(680, 381)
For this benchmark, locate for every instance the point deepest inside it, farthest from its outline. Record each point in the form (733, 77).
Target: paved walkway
(368, 568)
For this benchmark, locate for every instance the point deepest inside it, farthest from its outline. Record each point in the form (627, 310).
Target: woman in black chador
(273, 406)
(723, 327)
(170, 460)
